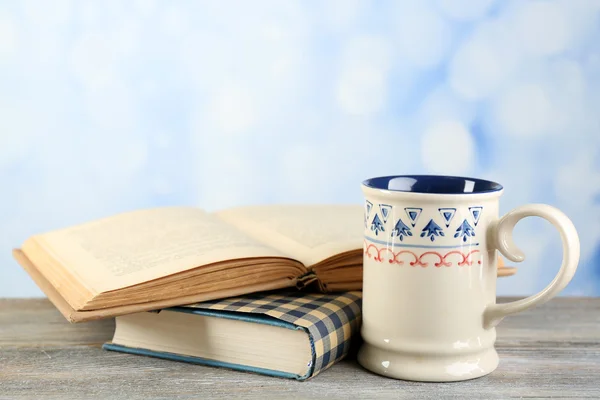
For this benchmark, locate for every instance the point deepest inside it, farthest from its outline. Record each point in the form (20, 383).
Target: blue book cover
(331, 321)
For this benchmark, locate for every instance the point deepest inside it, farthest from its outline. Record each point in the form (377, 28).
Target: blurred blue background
(117, 105)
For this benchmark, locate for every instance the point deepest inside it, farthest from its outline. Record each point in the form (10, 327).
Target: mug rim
(433, 184)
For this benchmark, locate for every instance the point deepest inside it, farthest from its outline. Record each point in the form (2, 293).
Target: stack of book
(268, 289)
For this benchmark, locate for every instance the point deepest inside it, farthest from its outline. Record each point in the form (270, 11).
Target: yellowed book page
(140, 246)
(307, 233)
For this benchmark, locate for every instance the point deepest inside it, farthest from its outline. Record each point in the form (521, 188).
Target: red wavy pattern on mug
(442, 259)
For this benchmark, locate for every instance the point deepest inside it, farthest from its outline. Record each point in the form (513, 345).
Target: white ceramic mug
(430, 266)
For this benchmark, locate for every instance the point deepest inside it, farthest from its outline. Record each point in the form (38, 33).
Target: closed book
(289, 335)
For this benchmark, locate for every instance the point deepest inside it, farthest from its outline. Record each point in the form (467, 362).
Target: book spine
(307, 279)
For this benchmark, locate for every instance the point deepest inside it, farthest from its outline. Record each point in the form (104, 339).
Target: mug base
(426, 367)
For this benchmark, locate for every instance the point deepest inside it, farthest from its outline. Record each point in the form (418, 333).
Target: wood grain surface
(551, 351)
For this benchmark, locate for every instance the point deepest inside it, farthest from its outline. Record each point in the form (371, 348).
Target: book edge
(75, 316)
(201, 361)
(257, 318)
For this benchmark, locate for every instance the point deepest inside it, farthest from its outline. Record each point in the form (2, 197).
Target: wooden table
(551, 351)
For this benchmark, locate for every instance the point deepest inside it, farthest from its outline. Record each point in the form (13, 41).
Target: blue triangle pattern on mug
(385, 211)
(447, 214)
(476, 213)
(465, 231)
(376, 225)
(413, 214)
(369, 205)
(432, 230)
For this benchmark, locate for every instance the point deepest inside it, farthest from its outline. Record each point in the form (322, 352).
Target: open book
(171, 256)
(157, 258)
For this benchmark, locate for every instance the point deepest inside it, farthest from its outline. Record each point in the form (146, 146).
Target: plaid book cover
(331, 320)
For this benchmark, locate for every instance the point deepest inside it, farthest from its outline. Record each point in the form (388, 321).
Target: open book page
(140, 246)
(307, 233)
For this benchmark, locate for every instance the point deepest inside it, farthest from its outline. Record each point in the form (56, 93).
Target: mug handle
(502, 238)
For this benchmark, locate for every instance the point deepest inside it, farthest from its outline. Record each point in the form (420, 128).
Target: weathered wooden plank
(85, 372)
(35, 322)
(551, 351)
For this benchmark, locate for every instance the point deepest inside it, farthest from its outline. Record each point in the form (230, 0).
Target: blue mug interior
(433, 184)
